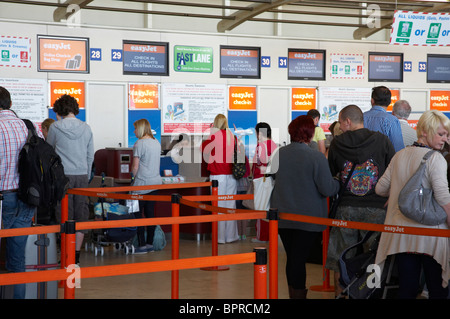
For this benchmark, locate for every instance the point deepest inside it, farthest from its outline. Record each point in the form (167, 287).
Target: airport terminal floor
(234, 283)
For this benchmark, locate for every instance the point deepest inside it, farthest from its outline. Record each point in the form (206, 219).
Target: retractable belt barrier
(68, 229)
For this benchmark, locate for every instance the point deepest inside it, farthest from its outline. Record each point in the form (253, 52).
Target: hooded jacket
(73, 142)
(371, 152)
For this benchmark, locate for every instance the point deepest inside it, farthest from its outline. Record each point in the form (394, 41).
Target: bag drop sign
(193, 59)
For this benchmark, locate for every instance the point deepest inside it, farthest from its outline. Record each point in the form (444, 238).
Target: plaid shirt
(13, 135)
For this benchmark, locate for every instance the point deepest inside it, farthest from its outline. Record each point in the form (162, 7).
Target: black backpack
(42, 182)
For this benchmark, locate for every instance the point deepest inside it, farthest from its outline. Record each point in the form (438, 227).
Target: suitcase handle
(42, 242)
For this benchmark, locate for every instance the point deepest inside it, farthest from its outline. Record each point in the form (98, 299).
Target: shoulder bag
(417, 202)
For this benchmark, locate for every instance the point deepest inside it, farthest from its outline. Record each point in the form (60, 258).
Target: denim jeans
(16, 214)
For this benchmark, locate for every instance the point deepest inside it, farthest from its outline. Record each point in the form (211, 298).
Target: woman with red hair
(303, 183)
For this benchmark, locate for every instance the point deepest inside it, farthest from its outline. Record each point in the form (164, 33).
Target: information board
(306, 64)
(438, 68)
(145, 58)
(63, 54)
(385, 67)
(240, 62)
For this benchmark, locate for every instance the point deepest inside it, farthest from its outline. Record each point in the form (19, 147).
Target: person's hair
(381, 95)
(66, 104)
(47, 122)
(402, 109)
(429, 123)
(264, 128)
(5, 99)
(314, 113)
(143, 128)
(221, 123)
(301, 129)
(352, 112)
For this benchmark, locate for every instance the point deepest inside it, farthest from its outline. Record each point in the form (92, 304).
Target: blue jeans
(16, 214)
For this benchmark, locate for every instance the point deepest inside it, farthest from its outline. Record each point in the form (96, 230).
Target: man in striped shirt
(15, 213)
(378, 119)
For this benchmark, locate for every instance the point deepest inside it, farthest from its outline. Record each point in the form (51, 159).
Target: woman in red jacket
(218, 151)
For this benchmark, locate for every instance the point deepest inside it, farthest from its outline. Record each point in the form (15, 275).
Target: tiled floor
(234, 283)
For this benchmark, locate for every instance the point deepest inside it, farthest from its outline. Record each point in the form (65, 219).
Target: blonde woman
(414, 254)
(145, 168)
(218, 151)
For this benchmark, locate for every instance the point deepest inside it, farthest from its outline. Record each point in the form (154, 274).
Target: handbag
(337, 198)
(238, 169)
(417, 202)
(263, 187)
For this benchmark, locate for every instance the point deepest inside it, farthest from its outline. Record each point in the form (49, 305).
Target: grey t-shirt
(149, 152)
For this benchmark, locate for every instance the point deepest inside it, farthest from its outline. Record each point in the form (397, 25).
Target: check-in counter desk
(115, 163)
(164, 209)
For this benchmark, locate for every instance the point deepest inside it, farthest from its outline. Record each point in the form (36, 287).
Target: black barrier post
(175, 199)
(260, 273)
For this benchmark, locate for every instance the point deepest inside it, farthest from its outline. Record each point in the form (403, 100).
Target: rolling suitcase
(41, 254)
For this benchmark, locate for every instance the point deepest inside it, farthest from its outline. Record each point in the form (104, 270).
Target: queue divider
(214, 230)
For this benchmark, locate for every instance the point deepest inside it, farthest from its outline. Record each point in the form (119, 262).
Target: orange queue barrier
(230, 214)
(367, 226)
(104, 192)
(130, 269)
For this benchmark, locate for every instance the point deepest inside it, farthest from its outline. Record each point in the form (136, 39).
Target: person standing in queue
(74, 143)
(218, 150)
(146, 170)
(303, 183)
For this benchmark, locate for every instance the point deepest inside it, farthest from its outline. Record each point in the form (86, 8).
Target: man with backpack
(362, 156)
(73, 142)
(15, 212)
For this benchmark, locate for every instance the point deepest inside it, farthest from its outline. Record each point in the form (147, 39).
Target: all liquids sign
(420, 28)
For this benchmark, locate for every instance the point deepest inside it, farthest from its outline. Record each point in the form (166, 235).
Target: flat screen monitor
(438, 68)
(306, 64)
(240, 62)
(63, 54)
(385, 67)
(145, 58)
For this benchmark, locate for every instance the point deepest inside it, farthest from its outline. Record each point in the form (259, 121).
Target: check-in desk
(115, 163)
(193, 231)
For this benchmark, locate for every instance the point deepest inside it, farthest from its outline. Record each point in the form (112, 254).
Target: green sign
(404, 29)
(5, 55)
(193, 59)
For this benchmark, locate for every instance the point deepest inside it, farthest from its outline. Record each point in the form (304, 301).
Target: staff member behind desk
(416, 254)
(218, 152)
(74, 143)
(145, 168)
(16, 214)
(303, 183)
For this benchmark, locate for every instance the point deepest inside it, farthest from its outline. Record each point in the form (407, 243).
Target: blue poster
(296, 114)
(81, 115)
(242, 124)
(154, 118)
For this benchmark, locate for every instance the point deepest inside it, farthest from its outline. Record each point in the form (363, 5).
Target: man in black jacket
(370, 153)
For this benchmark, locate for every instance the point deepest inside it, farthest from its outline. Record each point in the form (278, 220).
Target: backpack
(159, 239)
(42, 182)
